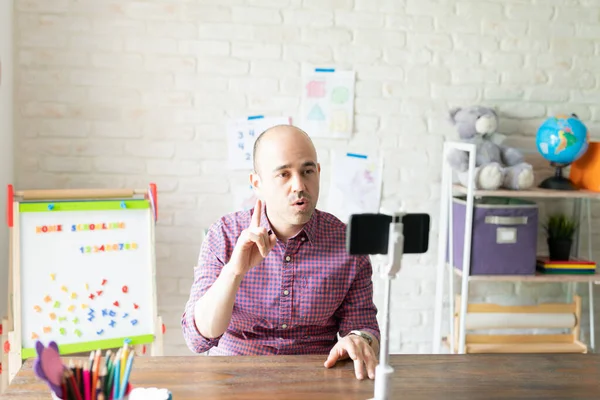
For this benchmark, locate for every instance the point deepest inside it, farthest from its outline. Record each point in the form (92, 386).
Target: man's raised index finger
(257, 213)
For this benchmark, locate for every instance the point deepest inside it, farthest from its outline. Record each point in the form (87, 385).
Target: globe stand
(558, 181)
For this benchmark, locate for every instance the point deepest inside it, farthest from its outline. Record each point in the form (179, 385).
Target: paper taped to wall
(241, 135)
(356, 182)
(327, 102)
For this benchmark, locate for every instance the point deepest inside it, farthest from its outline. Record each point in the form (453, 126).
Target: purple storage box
(504, 236)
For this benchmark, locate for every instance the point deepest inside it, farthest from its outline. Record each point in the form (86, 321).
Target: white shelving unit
(446, 271)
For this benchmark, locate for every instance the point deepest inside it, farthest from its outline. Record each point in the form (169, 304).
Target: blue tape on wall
(356, 155)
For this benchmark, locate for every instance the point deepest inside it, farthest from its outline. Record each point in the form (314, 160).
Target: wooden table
(472, 376)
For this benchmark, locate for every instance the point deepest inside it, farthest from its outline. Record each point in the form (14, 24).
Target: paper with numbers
(356, 182)
(241, 135)
(327, 102)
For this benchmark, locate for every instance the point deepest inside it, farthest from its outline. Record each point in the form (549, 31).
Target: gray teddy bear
(496, 166)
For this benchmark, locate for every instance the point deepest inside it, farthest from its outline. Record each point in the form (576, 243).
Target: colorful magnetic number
(108, 247)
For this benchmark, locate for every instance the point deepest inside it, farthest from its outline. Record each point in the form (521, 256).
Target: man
(278, 279)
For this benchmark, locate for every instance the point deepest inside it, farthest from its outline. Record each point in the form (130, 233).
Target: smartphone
(369, 233)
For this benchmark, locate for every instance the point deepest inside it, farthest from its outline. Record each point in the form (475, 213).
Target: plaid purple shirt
(294, 302)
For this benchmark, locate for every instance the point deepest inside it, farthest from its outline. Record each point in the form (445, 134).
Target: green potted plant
(560, 230)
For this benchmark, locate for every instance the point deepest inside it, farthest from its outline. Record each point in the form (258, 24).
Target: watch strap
(362, 335)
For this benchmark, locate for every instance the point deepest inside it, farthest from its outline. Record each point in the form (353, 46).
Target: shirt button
(303, 238)
(284, 326)
(286, 292)
(288, 258)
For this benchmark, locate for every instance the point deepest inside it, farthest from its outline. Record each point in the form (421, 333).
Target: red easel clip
(153, 195)
(9, 205)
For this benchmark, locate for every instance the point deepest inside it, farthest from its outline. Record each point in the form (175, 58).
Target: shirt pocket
(319, 298)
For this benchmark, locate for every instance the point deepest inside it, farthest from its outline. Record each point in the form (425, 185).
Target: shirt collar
(309, 230)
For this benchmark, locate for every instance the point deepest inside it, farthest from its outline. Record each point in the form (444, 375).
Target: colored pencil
(95, 372)
(113, 373)
(124, 356)
(92, 354)
(73, 370)
(63, 385)
(116, 381)
(74, 390)
(106, 380)
(87, 388)
(107, 357)
(78, 376)
(126, 375)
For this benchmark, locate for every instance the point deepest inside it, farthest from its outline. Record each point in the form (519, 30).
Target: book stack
(575, 266)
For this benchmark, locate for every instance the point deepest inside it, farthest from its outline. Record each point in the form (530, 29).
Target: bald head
(286, 177)
(279, 137)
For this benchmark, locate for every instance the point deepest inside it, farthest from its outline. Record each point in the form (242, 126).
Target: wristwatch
(362, 335)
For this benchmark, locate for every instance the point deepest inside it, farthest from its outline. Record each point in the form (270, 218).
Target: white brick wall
(123, 93)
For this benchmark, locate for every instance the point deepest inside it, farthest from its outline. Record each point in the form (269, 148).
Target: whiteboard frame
(14, 335)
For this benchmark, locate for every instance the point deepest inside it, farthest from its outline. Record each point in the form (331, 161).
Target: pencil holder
(140, 394)
(55, 397)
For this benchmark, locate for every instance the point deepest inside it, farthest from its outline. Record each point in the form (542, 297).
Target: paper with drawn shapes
(356, 183)
(241, 135)
(327, 102)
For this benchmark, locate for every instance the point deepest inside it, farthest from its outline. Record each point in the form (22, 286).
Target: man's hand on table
(357, 349)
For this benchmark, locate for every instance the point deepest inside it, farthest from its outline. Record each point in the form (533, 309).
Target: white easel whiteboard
(87, 274)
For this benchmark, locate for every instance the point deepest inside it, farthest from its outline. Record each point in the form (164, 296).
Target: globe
(561, 140)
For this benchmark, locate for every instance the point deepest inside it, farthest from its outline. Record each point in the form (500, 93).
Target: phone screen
(369, 233)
